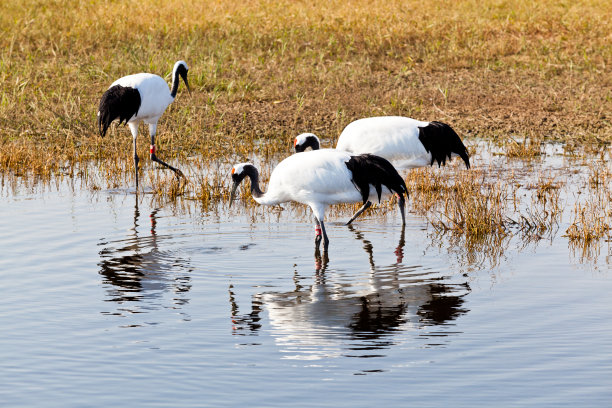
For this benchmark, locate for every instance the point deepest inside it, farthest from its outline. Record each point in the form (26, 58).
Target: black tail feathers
(441, 141)
(117, 102)
(369, 169)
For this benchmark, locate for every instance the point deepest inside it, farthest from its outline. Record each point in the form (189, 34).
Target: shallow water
(109, 298)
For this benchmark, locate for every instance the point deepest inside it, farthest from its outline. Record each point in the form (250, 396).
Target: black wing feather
(370, 169)
(441, 141)
(117, 102)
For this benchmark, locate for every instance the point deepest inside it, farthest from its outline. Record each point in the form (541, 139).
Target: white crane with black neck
(324, 177)
(141, 98)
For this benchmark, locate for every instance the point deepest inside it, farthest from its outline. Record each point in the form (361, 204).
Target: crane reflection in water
(139, 273)
(355, 314)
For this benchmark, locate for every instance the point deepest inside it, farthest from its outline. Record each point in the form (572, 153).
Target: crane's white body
(395, 138)
(317, 178)
(154, 95)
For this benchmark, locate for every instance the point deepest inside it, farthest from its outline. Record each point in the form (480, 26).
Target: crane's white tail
(117, 102)
(370, 169)
(441, 141)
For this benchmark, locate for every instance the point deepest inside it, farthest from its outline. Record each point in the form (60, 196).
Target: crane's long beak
(233, 193)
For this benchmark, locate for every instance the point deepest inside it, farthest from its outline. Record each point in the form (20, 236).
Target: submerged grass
(528, 148)
(468, 204)
(592, 214)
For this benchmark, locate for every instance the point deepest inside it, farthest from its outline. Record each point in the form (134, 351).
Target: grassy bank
(263, 71)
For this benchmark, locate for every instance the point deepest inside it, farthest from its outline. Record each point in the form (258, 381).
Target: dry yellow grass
(469, 204)
(263, 71)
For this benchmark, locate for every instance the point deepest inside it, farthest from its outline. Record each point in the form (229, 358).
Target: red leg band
(152, 149)
(317, 230)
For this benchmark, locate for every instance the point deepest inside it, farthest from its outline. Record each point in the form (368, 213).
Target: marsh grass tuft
(592, 213)
(473, 207)
(591, 220)
(528, 148)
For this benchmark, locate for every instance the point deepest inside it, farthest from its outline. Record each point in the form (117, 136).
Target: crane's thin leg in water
(325, 239)
(134, 130)
(358, 213)
(136, 160)
(320, 234)
(152, 131)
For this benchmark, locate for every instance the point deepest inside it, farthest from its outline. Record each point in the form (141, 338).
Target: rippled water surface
(111, 299)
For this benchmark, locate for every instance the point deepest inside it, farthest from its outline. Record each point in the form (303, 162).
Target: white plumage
(321, 178)
(405, 142)
(140, 98)
(154, 94)
(393, 137)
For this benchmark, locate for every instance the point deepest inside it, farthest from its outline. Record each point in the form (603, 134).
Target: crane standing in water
(141, 98)
(324, 177)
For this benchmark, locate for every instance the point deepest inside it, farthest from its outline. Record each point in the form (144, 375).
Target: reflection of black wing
(124, 272)
(442, 307)
(379, 315)
(375, 318)
(117, 102)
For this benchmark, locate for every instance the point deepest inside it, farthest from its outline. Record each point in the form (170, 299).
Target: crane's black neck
(313, 142)
(250, 171)
(175, 84)
(180, 71)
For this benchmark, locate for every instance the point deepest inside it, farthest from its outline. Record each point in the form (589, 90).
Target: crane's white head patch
(301, 138)
(239, 168)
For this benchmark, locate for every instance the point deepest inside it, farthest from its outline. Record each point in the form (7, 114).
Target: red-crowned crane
(405, 142)
(324, 177)
(140, 98)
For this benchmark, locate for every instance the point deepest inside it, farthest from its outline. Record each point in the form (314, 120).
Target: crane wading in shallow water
(141, 98)
(405, 142)
(324, 177)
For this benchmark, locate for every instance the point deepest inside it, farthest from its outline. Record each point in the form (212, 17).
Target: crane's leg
(318, 235)
(321, 234)
(325, 239)
(358, 213)
(152, 131)
(134, 130)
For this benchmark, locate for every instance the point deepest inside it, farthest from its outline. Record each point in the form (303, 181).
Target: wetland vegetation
(514, 73)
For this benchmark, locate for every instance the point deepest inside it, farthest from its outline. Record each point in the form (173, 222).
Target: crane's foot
(176, 171)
